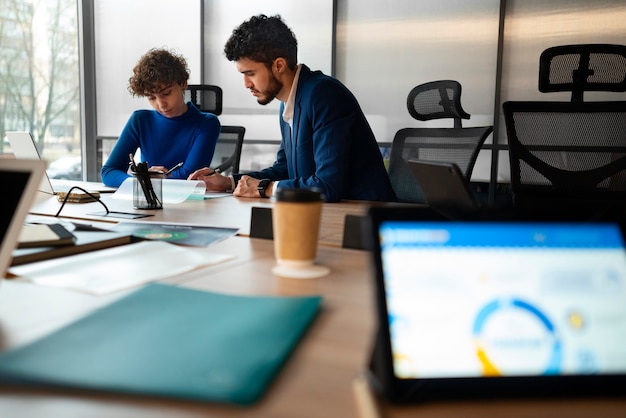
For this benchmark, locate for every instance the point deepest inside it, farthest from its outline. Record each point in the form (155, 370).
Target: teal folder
(169, 341)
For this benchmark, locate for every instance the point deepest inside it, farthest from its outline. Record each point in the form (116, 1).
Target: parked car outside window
(66, 168)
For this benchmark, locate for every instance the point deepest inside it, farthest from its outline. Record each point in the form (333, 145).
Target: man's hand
(248, 187)
(214, 181)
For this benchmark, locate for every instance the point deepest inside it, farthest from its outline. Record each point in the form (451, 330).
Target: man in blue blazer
(327, 142)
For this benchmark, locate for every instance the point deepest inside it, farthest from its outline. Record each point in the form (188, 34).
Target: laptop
(497, 308)
(24, 147)
(19, 180)
(444, 186)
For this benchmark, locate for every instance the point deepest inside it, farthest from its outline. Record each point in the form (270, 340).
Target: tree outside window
(39, 74)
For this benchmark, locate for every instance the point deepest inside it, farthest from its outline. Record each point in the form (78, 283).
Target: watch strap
(262, 187)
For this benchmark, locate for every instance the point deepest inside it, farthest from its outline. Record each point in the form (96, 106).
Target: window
(39, 78)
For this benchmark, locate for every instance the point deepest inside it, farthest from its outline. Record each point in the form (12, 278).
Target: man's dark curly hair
(263, 39)
(155, 69)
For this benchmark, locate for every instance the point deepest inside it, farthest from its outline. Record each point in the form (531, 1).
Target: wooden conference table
(228, 212)
(316, 381)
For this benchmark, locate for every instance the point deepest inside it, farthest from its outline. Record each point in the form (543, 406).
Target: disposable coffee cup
(148, 191)
(296, 215)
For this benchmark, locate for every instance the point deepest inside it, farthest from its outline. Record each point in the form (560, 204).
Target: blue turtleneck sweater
(189, 138)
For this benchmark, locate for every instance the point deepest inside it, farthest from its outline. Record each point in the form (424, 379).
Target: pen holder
(148, 191)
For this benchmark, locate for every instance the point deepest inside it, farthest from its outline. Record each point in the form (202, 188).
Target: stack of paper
(174, 191)
(117, 268)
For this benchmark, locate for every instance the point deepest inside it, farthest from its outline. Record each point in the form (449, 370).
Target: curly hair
(155, 69)
(263, 39)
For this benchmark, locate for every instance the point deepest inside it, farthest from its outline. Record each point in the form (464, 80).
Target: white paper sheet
(174, 191)
(117, 268)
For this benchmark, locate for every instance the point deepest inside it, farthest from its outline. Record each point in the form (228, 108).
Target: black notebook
(85, 241)
(44, 235)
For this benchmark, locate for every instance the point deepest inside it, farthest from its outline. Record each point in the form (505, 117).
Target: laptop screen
(474, 299)
(14, 183)
(24, 148)
(18, 186)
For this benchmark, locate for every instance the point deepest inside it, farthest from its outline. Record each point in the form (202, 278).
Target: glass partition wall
(312, 21)
(384, 49)
(380, 50)
(530, 27)
(146, 24)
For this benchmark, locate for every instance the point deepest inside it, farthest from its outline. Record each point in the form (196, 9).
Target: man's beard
(270, 94)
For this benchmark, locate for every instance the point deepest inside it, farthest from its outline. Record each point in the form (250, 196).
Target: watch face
(262, 187)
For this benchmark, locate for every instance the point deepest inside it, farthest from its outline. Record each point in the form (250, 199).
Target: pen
(217, 170)
(176, 167)
(132, 164)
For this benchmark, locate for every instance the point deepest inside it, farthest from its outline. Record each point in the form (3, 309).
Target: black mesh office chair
(206, 97)
(571, 155)
(459, 145)
(581, 68)
(228, 149)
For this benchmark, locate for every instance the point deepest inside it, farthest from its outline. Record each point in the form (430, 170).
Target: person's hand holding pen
(213, 179)
(176, 167)
(166, 172)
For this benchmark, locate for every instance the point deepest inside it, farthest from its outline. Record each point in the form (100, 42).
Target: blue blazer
(332, 147)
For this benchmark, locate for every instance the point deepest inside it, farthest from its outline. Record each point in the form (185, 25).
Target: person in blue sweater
(174, 132)
(327, 143)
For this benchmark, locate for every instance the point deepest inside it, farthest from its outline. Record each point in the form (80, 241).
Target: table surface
(227, 212)
(318, 374)
(316, 381)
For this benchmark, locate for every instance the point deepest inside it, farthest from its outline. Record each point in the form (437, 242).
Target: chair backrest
(206, 97)
(437, 100)
(454, 145)
(580, 68)
(228, 149)
(564, 152)
(434, 100)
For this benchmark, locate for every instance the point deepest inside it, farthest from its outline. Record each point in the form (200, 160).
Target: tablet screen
(474, 299)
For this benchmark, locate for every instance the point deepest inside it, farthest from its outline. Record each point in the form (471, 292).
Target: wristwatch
(262, 187)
